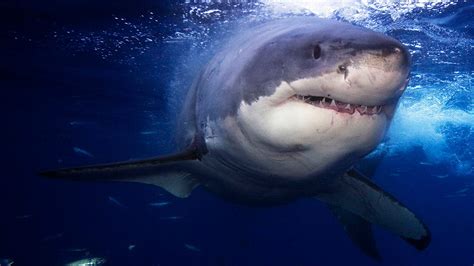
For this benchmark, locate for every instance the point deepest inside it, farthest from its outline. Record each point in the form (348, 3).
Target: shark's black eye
(317, 52)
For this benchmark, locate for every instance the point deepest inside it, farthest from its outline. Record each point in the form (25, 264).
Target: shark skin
(283, 112)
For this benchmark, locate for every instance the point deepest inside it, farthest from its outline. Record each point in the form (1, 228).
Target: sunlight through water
(436, 112)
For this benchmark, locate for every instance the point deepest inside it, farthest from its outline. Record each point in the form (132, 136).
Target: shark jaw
(307, 134)
(338, 106)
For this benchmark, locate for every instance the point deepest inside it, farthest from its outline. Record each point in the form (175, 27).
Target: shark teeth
(328, 103)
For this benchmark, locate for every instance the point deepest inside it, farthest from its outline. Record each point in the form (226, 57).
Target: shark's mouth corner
(341, 107)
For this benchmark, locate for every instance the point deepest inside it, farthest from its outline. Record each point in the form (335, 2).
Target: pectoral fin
(170, 172)
(362, 197)
(358, 230)
(178, 183)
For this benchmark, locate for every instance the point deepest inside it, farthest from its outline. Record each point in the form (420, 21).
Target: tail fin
(170, 172)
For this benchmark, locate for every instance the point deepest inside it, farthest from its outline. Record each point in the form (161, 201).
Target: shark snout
(375, 74)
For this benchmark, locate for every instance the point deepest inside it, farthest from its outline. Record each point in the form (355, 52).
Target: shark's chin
(316, 138)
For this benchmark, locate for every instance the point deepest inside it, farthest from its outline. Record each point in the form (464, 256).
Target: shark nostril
(343, 70)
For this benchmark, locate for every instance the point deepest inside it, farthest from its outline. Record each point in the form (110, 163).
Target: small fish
(425, 163)
(131, 247)
(148, 132)
(159, 204)
(461, 191)
(6, 262)
(191, 247)
(82, 152)
(116, 202)
(75, 250)
(171, 218)
(52, 237)
(441, 176)
(22, 217)
(77, 123)
(455, 195)
(87, 262)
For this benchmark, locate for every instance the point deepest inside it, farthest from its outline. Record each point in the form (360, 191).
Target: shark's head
(318, 95)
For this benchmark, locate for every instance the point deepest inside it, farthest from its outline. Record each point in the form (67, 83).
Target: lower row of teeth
(341, 107)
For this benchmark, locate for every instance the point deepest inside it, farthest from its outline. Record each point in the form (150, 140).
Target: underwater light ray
(359, 8)
(130, 41)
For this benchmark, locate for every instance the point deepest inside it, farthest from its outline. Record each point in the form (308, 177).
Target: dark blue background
(45, 87)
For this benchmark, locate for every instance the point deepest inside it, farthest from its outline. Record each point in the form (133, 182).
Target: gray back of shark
(284, 111)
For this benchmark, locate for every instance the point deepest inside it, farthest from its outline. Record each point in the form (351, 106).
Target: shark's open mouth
(328, 103)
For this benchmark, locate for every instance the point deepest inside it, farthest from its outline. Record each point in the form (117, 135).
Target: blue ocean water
(86, 82)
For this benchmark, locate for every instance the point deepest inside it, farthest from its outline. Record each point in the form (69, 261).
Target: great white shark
(283, 112)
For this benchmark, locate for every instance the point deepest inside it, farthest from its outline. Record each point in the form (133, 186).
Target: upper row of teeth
(362, 109)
